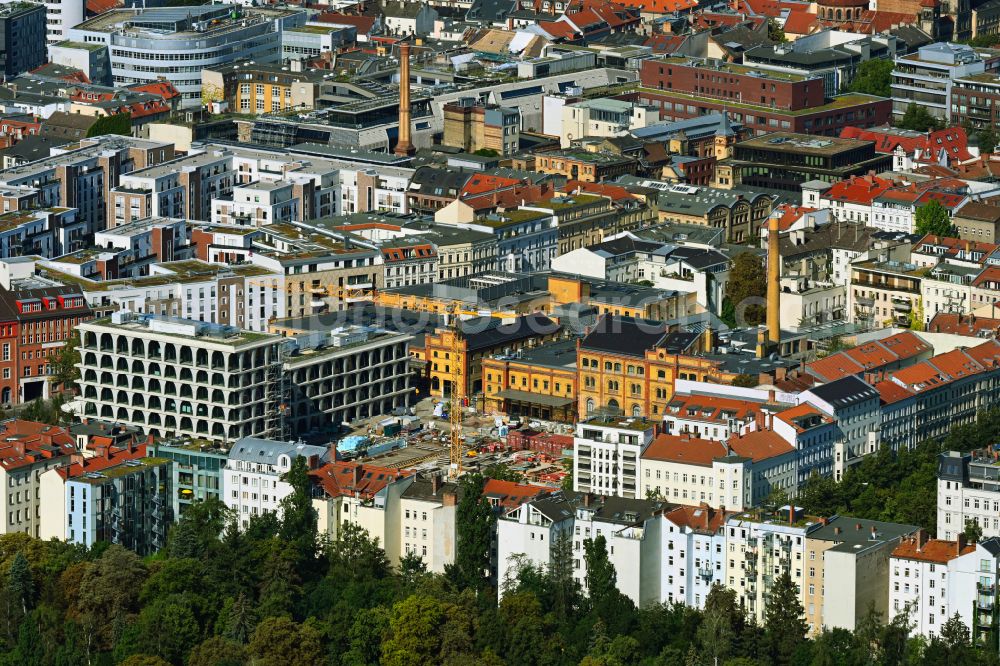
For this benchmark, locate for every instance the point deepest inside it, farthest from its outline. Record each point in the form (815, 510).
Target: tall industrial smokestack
(773, 283)
(404, 147)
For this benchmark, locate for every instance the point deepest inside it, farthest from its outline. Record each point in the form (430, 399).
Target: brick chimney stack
(404, 147)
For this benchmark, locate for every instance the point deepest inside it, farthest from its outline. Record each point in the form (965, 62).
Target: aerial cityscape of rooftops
(501, 332)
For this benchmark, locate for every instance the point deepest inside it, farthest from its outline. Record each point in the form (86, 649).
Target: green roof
(81, 45)
(838, 102)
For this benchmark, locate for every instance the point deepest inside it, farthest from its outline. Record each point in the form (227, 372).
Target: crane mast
(455, 408)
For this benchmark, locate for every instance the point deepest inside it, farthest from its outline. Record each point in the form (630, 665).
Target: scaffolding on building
(277, 392)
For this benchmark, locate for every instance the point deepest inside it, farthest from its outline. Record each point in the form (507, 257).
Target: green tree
(475, 520)
(502, 472)
(774, 32)
(64, 370)
(298, 515)
(721, 623)
(919, 119)
(168, 628)
(973, 532)
(280, 641)
(745, 381)
(602, 580)
(119, 123)
(874, 77)
(218, 651)
(414, 637)
(20, 584)
(784, 625)
(933, 218)
(746, 288)
(109, 594)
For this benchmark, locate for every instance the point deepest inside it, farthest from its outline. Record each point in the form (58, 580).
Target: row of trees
(277, 592)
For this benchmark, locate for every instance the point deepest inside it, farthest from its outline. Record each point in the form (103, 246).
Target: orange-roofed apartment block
(364, 495)
(932, 580)
(27, 451)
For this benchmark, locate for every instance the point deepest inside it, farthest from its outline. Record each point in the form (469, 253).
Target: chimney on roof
(435, 484)
(857, 526)
(450, 498)
(836, 530)
(404, 146)
(960, 543)
(358, 473)
(586, 499)
(773, 287)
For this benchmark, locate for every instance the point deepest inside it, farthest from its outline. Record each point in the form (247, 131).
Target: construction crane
(456, 406)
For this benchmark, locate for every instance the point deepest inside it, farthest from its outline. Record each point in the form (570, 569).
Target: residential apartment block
(252, 483)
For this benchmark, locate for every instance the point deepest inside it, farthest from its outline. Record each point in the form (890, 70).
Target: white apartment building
(691, 541)
(179, 377)
(366, 496)
(528, 533)
(931, 580)
(256, 204)
(606, 455)
(759, 550)
(187, 186)
(27, 451)
(251, 480)
(61, 15)
(427, 521)
(968, 489)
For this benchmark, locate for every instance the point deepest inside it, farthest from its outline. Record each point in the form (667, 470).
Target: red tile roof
(559, 29)
(760, 445)
(483, 183)
(109, 457)
(920, 377)
(26, 442)
(947, 322)
(858, 189)
(684, 449)
(701, 519)
(509, 494)
(833, 367)
(991, 274)
(339, 479)
(613, 192)
(661, 6)
(660, 44)
(932, 550)
(952, 140)
(164, 89)
(710, 408)
(800, 22)
(794, 416)
(890, 392)
(100, 6)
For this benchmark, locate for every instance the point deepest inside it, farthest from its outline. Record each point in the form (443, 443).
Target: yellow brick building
(630, 367)
(538, 382)
(459, 367)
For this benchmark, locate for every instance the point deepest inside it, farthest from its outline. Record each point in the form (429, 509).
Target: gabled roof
(701, 519)
(509, 494)
(952, 140)
(684, 449)
(760, 445)
(339, 479)
(890, 392)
